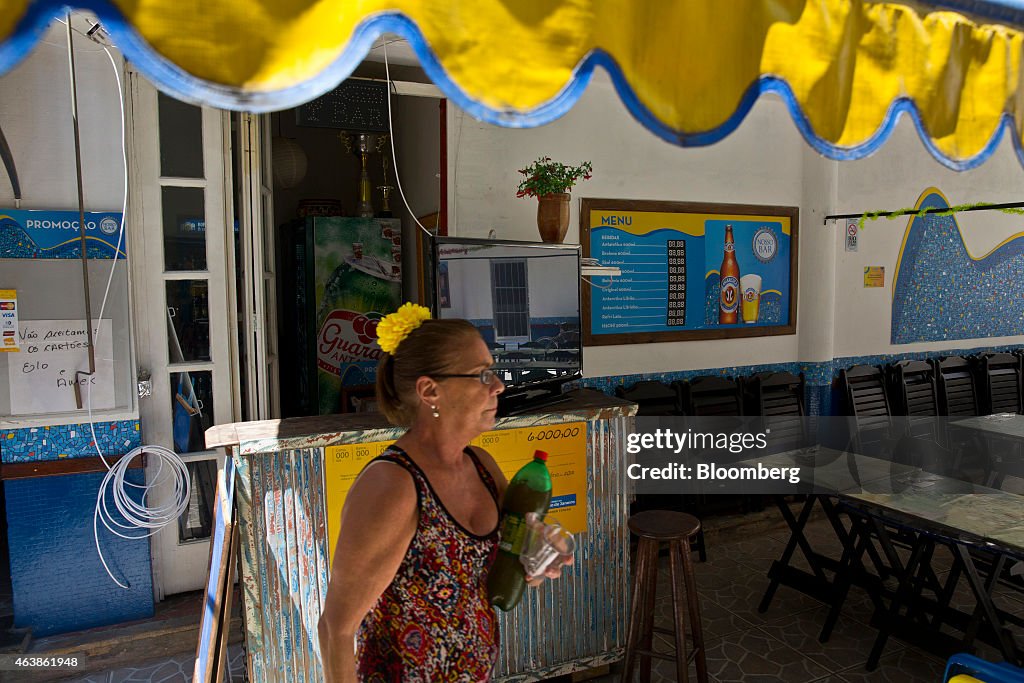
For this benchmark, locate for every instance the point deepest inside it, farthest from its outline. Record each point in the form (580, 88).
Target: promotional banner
(55, 234)
(566, 445)
(357, 265)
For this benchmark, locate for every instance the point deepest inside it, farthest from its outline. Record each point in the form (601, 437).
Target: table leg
(796, 539)
(981, 594)
(904, 591)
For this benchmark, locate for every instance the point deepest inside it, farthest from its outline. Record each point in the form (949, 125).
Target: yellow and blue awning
(689, 70)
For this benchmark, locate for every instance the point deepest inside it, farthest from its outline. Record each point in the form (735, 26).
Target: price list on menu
(676, 283)
(652, 292)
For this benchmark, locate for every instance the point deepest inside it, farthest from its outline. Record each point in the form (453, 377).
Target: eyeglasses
(486, 377)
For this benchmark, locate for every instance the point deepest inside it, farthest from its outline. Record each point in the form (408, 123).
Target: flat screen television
(524, 297)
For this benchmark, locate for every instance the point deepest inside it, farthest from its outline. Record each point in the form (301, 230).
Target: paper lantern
(289, 162)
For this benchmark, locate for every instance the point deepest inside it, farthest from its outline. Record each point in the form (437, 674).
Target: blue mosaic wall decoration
(942, 292)
(32, 444)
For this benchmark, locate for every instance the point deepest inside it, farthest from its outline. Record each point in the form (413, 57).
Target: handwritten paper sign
(42, 374)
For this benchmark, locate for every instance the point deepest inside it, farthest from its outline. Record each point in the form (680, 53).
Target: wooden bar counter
(282, 496)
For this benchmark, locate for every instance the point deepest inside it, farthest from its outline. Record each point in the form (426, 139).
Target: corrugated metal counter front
(575, 622)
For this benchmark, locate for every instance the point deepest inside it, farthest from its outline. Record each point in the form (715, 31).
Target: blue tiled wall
(821, 398)
(58, 581)
(67, 441)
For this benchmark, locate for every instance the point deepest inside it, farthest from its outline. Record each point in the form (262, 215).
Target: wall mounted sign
(9, 320)
(566, 445)
(42, 375)
(357, 105)
(852, 230)
(55, 234)
(874, 276)
(689, 271)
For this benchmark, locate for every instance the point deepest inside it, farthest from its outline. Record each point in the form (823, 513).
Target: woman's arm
(377, 523)
(499, 478)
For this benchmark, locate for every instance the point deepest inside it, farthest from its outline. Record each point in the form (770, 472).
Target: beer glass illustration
(750, 289)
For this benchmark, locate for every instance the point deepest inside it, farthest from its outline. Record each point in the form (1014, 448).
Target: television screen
(524, 297)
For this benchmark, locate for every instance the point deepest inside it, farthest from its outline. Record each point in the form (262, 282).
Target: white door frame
(259, 270)
(178, 567)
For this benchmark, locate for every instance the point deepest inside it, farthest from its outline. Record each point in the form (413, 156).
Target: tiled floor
(743, 645)
(746, 646)
(175, 670)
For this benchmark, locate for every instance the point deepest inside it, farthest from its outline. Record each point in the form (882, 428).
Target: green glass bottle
(529, 491)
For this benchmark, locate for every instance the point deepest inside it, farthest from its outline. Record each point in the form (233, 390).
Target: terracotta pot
(553, 216)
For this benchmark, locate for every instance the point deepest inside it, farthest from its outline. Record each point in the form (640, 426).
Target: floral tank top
(434, 621)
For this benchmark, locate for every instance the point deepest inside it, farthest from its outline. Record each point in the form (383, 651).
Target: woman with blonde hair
(419, 528)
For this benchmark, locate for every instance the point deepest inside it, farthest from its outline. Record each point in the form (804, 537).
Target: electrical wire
(138, 516)
(391, 139)
(594, 284)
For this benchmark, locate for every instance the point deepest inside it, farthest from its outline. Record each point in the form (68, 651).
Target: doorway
(210, 229)
(317, 172)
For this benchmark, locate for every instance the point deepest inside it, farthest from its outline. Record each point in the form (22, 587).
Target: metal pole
(81, 221)
(934, 209)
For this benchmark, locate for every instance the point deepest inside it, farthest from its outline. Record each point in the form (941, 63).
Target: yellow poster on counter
(566, 445)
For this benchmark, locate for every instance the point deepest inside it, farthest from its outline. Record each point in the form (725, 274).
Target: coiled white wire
(138, 516)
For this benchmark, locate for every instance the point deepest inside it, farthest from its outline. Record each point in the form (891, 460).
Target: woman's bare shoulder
(487, 460)
(385, 487)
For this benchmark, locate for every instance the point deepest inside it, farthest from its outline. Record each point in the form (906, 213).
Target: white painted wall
(36, 116)
(894, 178)
(35, 112)
(470, 298)
(761, 163)
(765, 161)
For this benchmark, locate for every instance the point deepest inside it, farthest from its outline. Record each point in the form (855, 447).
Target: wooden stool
(654, 527)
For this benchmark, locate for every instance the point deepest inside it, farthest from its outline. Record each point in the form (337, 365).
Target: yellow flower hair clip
(395, 327)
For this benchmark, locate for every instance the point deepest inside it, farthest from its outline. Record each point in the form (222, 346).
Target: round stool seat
(664, 525)
(655, 528)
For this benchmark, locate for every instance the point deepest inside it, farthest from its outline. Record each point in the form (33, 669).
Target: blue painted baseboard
(58, 581)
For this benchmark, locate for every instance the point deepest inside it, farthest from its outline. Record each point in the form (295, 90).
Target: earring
(434, 412)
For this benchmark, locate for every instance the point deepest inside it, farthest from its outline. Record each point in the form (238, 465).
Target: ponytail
(433, 348)
(387, 395)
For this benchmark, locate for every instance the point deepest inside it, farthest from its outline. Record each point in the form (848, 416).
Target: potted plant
(550, 181)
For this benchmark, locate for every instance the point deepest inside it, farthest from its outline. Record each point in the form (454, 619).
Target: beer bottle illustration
(729, 279)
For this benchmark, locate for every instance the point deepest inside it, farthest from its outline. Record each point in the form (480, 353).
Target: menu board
(688, 271)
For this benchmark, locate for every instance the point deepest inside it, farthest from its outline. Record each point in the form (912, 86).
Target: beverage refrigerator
(342, 276)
